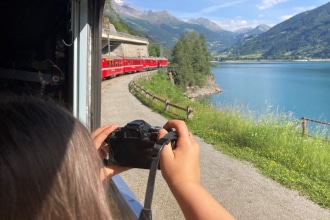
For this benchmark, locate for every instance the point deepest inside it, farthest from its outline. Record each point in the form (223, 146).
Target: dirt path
(239, 187)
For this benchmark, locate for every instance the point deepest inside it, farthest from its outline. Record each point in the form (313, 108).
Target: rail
(121, 34)
(126, 205)
(304, 124)
(188, 109)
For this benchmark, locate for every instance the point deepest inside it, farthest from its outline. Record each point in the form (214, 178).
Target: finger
(180, 127)
(166, 156)
(118, 169)
(161, 133)
(98, 130)
(103, 150)
(167, 150)
(100, 135)
(110, 171)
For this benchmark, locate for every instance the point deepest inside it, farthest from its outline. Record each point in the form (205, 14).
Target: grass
(272, 142)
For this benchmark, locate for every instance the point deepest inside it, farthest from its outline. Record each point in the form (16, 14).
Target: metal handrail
(128, 205)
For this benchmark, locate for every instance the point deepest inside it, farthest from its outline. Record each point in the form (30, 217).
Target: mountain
(258, 30)
(206, 23)
(122, 8)
(244, 33)
(167, 29)
(304, 35)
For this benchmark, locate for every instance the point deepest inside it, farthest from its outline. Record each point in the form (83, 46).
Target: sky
(231, 14)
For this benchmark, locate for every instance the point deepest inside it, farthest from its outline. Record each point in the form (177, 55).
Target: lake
(298, 88)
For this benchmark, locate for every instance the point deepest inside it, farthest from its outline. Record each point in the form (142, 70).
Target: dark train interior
(35, 47)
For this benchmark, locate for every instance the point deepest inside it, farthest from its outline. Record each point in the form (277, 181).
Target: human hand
(99, 136)
(180, 165)
(180, 169)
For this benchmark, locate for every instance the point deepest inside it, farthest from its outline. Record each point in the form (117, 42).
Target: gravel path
(243, 191)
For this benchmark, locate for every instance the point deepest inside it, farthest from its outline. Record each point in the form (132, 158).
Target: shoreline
(269, 61)
(211, 87)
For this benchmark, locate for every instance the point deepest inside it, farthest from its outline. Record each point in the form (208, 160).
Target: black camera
(132, 145)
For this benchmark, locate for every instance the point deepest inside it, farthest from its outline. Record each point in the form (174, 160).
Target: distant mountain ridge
(166, 29)
(206, 23)
(306, 35)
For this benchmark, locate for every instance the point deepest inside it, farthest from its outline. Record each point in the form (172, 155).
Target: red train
(116, 65)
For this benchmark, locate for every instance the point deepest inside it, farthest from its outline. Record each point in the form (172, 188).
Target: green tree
(191, 60)
(154, 50)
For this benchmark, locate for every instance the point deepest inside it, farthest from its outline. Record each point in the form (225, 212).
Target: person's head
(49, 168)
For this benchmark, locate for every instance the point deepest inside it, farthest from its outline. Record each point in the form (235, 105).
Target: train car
(112, 66)
(150, 63)
(162, 62)
(132, 64)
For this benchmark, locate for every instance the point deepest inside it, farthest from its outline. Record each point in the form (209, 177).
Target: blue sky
(231, 14)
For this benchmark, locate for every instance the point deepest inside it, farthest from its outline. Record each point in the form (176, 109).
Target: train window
(32, 47)
(51, 48)
(45, 45)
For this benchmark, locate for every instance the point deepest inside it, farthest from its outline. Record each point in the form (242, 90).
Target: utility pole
(161, 50)
(109, 47)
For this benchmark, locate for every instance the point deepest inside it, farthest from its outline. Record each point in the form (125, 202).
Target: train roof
(126, 57)
(112, 57)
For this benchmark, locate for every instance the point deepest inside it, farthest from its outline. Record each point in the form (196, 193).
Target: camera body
(132, 145)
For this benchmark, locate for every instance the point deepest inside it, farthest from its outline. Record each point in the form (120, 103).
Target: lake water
(298, 88)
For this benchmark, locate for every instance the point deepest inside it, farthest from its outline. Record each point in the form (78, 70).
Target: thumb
(166, 153)
(167, 150)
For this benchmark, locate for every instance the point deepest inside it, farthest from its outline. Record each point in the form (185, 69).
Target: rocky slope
(210, 88)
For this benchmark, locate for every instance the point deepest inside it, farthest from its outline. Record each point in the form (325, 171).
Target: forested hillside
(167, 29)
(168, 33)
(110, 16)
(306, 35)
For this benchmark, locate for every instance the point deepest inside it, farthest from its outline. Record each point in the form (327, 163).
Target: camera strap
(146, 212)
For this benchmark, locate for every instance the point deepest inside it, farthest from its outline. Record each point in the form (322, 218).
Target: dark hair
(49, 168)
